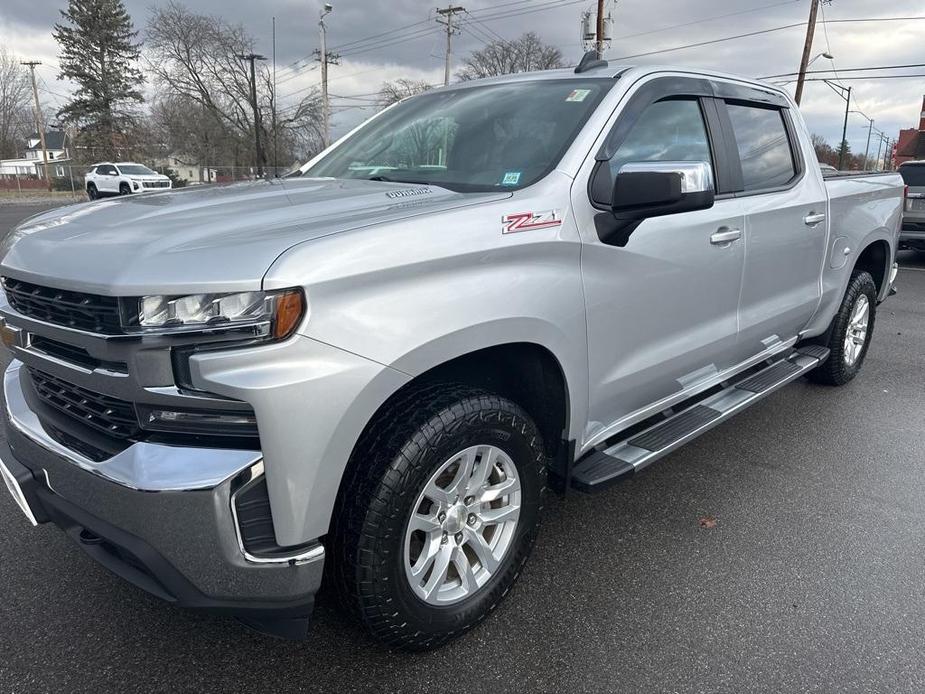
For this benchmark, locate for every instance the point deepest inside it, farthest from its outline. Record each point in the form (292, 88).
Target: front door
(661, 307)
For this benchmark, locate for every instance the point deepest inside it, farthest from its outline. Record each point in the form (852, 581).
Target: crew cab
(123, 178)
(374, 368)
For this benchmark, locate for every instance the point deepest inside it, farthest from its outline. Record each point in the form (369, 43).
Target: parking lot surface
(810, 581)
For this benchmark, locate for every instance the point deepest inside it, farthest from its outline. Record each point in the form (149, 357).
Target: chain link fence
(67, 181)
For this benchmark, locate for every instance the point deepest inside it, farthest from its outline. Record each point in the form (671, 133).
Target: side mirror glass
(658, 188)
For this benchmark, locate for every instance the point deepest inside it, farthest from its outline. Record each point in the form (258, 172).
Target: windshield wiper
(386, 179)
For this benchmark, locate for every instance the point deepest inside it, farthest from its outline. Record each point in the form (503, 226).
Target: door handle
(812, 219)
(725, 236)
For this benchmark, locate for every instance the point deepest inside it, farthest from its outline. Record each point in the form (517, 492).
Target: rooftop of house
(54, 139)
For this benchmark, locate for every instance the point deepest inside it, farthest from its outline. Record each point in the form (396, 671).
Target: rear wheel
(849, 337)
(440, 515)
(92, 191)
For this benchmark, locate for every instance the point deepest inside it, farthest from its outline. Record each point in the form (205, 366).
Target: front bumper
(159, 516)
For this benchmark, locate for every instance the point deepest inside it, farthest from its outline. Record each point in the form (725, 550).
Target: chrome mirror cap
(696, 176)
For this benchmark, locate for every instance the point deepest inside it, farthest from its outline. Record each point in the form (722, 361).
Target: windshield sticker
(578, 95)
(511, 178)
(408, 193)
(530, 221)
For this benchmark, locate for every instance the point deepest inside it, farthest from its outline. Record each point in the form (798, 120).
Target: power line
(712, 41)
(539, 7)
(846, 69)
(763, 31)
(706, 19)
(868, 77)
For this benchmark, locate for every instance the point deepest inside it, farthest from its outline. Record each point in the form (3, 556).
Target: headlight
(277, 314)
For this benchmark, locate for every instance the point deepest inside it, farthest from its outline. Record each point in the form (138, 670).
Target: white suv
(123, 178)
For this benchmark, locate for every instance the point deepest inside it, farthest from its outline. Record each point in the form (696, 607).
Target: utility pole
(449, 13)
(807, 49)
(844, 133)
(273, 112)
(323, 57)
(600, 29)
(39, 120)
(870, 130)
(879, 149)
(252, 58)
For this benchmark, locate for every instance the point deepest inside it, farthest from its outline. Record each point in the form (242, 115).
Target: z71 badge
(530, 221)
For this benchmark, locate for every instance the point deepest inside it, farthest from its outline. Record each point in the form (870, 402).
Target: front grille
(106, 414)
(155, 184)
(98, 314)
(73, 354)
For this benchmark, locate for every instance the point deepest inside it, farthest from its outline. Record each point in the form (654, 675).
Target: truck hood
(205, 238)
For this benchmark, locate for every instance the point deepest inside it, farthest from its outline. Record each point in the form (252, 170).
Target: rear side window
(764, 146)
(671, 130)
(913, 174)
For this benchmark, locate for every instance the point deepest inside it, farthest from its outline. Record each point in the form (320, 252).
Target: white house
(186, 168)
(31, 164)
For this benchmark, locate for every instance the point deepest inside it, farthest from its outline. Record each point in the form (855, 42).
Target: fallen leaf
(708, 522)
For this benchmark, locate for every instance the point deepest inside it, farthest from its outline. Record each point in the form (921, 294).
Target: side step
(603, 468)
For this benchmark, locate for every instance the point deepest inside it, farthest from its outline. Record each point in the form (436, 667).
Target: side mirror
(658, 188)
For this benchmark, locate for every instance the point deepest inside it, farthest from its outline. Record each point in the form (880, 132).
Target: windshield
(503, 136)
(136, 170)
(913, 174)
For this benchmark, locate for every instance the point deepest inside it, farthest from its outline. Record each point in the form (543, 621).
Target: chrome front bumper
(160, 516)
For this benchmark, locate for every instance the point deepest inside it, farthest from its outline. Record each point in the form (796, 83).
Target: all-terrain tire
(393, 461)
(839, 369)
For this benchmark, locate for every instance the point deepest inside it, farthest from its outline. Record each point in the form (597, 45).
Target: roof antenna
(590, 61)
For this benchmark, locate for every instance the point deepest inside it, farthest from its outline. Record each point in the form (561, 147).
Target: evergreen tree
(100, 53)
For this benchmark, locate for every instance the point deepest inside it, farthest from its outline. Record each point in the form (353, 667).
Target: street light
(325, 108)
(827, 56)
(844, 93)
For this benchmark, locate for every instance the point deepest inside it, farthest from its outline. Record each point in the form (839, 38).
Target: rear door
(661, 305)
(785, 225)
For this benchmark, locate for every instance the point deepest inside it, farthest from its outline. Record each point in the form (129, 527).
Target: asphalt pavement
(812, 580)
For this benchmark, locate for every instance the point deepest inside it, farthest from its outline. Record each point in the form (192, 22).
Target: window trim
(793, 141)
(663, 89)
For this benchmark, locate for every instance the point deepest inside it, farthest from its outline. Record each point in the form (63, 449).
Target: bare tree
(195, 63)
(525, 54)
(391, 92)
(15, 101)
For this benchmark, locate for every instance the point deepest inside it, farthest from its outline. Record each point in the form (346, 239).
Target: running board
(603, 468)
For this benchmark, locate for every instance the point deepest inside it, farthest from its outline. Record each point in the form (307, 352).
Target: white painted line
(914, 269)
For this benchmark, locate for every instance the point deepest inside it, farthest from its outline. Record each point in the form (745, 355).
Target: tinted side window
(106, 170)
(671, 130)
(913, 174)
(764, 146)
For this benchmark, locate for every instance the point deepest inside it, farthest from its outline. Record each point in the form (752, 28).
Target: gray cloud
(640, 26)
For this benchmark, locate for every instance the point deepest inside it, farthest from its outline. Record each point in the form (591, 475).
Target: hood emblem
(408, 193)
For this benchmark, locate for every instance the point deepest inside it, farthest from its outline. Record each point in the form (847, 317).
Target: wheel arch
(876, 258)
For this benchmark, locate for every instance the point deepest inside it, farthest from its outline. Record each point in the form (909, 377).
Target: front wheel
(441, 515)
(124, 189)
(850, 334)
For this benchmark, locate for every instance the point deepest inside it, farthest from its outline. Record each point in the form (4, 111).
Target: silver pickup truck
(374, 368)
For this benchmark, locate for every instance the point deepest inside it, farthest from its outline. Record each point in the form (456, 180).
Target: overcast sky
(390, 51)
